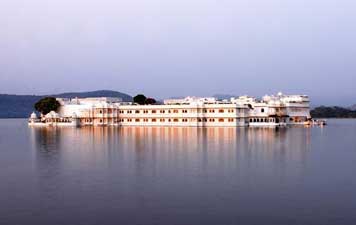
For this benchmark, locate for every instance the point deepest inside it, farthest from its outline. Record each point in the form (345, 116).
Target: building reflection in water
(150, 149)
(137, 163)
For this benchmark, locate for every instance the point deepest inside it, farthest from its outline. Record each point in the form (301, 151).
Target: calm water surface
(178, 175)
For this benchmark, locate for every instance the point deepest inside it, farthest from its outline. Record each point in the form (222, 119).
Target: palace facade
(272, 110)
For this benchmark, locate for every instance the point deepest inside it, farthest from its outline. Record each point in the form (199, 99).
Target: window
(221, 110)
(153, 111)
(221, 120)
(162, 111)
(199, 120)
(184, 111)
(185, 120)
(205, 110)
(153, 120)
(175, 120)
(101, 111)
(211, 120)
(262, 110)
(101, 121)
(211, 110)
(175, 111)
(137, 120)
(161, 120)
(205, 120)
(137, 111)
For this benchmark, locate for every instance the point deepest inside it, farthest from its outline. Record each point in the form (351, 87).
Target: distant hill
(332, 112)
(223, 96)
(20, 106)
(353, 107)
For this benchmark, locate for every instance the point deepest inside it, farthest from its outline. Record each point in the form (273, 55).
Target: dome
(33, 115)
(55, 115)
(52, 114)
(48, 115)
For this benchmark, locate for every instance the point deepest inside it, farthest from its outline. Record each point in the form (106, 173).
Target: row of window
(169, 120)
(266, 120)
(261, 120)
(176, 120)
(174, 111)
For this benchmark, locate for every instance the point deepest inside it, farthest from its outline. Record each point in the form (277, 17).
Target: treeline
(332, 112)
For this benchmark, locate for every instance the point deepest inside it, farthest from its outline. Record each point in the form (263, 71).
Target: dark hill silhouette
(332, 112)
(20, 106)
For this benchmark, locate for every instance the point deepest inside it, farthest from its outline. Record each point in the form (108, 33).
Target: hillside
(223, 96)
(353, 107)
(20, 106)
(332, 112)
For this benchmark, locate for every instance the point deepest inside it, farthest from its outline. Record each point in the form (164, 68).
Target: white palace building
(271, 110)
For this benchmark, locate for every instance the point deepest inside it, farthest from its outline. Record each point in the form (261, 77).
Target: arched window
(262, 110)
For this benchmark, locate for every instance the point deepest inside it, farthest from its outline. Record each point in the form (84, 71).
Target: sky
(165, 48)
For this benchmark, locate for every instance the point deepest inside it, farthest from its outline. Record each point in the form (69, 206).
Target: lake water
(182, 176)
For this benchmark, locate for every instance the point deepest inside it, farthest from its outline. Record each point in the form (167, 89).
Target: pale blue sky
(180, 47)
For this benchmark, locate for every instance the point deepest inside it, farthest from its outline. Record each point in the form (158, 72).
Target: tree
(140, 99)
(46, 105)
(150, 101)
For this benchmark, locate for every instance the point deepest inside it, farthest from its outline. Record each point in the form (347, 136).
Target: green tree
(46, 105)
(150, 101)
(140, 99)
